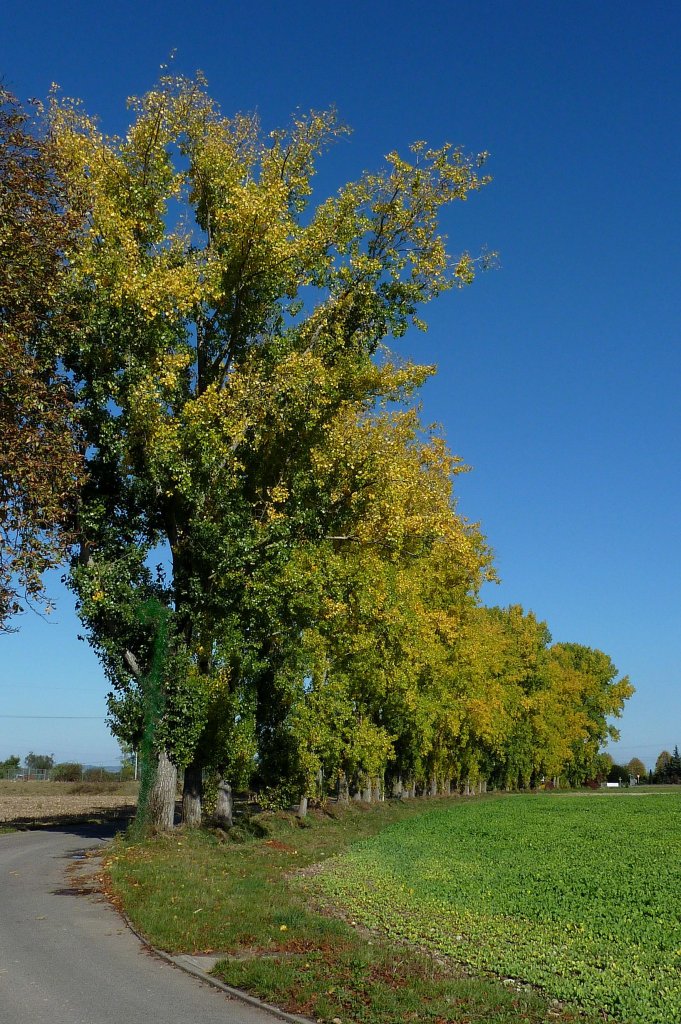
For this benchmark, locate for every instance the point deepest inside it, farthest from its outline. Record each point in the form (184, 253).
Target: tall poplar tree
(232, 339)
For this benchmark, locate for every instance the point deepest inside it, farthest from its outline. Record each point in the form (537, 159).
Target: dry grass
(24, 803)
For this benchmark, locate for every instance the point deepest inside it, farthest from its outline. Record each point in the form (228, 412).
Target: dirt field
(23, 803)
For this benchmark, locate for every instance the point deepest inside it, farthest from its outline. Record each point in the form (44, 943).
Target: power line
(66, 718)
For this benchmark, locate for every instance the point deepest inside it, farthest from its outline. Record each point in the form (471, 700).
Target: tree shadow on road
(84, 826)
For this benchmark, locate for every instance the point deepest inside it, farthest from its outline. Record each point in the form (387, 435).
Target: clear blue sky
(559, 374)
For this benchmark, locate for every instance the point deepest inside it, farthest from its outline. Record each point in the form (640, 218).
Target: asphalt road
(66, 957)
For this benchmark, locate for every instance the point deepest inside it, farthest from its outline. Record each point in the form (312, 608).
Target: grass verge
(209, 892)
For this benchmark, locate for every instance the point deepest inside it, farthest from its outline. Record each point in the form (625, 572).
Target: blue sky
(559, 373)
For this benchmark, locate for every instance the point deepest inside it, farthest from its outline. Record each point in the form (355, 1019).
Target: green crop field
(578, 894)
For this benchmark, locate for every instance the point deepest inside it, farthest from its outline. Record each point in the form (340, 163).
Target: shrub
(618, 773)
(84, 788)
(67, 771)
(99, 775)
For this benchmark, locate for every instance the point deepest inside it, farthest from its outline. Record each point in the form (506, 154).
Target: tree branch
(133, 664)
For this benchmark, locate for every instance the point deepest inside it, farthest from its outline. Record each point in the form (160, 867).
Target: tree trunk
(467, 788)
(343, 789)
(161, 804)
(448, 787)
(224, 805)
(397, 787)
(302, 808)
(366, 793)
(192, 795)
(433, 787)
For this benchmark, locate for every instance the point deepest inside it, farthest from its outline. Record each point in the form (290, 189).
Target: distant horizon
(620, 752)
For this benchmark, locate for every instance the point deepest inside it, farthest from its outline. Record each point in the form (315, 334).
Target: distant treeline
(42, 766)
(667, 769)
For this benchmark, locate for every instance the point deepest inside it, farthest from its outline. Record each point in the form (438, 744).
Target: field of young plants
(577, 894)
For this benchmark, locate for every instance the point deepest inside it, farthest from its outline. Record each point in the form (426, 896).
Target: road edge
(196, 972)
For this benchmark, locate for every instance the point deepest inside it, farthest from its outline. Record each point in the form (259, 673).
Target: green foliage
(67, 771)
(619, 773)
(151, 706)
(661, 766)
(39, 762)
(129, 757)
(668, 767)
(637, 768)
(12, 763)
(277, 798)
(314, 618)
(94, 774)
(521, 886)
(233, 391)
(674, 767)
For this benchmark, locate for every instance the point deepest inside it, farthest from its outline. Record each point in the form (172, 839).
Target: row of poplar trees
(265, 547)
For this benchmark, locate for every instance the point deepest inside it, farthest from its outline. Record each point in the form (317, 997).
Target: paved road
(67, 957)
